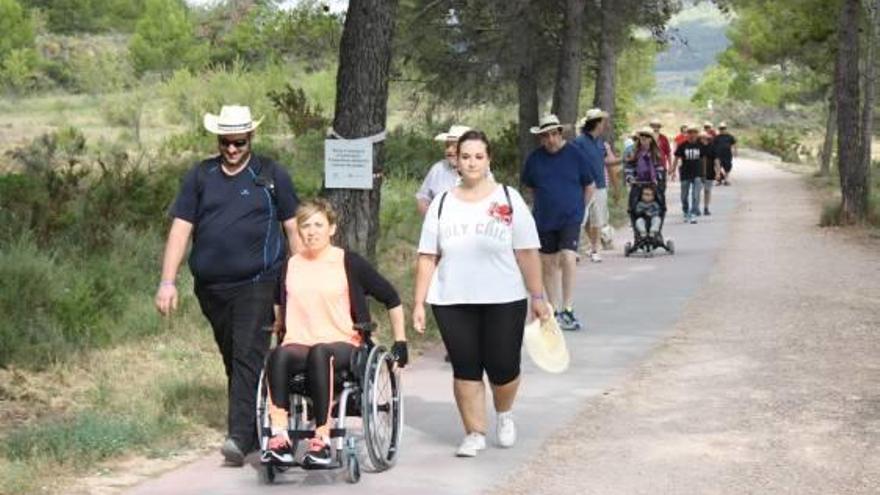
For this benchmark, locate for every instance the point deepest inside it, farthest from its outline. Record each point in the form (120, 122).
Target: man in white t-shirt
(443, 175)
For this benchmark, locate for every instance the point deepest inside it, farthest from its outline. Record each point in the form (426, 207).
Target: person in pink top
(322, 302)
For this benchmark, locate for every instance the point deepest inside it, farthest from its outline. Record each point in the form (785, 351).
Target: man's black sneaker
(232, 453)
(707, 212)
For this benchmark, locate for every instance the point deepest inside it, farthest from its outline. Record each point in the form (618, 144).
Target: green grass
(82, 440)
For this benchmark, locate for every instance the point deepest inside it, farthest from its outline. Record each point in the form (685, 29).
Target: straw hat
(233, 119)
(722, 125)
(453, 134)
(707, 124)
(646, 131)
(655, 121)
(593, 114)
(546, 124)
(546, 345)
(692, 128)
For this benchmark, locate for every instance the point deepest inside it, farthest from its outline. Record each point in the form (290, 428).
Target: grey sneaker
(568, 321)
(232, 453)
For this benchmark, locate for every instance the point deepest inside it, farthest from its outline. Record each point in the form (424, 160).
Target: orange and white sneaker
(318, 453)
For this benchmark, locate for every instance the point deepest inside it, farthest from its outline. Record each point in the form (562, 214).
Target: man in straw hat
(692, 156)
(558, 176)
(662, 142)
(709, 129)
(725, 149)
(599, 158)
(236, 204)
(443, 175)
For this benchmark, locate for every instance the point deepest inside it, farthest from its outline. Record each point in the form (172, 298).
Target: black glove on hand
(400, 353)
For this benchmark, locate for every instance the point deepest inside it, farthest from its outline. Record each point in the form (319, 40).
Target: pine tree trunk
(606, 74)
(869, 93)
(846, 83)
(830, 130)
(523, 40)
(361, 109)
(566, 94)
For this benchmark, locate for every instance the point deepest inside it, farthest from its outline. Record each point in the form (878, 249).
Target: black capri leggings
(482, 337)
(319, 362)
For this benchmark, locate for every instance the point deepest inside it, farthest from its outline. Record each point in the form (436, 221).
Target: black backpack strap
(507, 195)
(440, 208)
(266, 178)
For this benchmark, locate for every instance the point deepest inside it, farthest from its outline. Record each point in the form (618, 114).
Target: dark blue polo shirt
(558, 180)
(594, 149)
(237, 237)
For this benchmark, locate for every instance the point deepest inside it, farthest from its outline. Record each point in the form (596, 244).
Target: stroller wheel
(670, 246)
(627, 249)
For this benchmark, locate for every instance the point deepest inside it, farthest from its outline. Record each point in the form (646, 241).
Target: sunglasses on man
(238, 143)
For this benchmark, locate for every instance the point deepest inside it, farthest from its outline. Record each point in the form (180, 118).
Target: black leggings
(482, 337)
(319, 362)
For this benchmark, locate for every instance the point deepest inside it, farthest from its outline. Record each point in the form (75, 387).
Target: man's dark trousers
(239, 316)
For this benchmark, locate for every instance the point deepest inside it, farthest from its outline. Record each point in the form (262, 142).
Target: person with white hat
(559, 177)
(725, 148)
(712, 172)
(692, 156)
(599, 158)
(709, 129)
(234, 206)
(662, 142)
(443, 175)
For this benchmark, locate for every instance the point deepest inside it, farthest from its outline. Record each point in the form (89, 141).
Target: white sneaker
(472, 443)
(505, 429)
(595, 257)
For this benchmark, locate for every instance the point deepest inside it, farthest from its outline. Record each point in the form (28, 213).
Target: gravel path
(770, 384)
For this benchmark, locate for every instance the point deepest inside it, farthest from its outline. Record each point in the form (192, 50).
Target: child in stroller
(647, 199)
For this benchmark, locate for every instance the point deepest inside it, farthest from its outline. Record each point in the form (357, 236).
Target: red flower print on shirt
(501, 213)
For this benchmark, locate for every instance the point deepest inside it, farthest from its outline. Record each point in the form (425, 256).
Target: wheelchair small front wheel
(352, 468)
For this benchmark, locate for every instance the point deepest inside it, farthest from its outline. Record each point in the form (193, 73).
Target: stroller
(652, 239)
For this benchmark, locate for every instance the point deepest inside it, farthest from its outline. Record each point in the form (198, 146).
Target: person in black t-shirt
(691, 156)
(713, 171)
(233, 206)
(725, 149)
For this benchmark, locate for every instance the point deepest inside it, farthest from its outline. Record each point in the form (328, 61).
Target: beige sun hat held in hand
(545, 344)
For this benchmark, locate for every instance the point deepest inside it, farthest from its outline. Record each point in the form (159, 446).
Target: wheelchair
(370, 390)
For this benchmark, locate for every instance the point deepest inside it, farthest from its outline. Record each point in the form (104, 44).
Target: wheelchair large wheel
(262, 409)
(382, 408)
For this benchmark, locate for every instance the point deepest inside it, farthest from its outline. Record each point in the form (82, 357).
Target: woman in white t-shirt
(478, 267)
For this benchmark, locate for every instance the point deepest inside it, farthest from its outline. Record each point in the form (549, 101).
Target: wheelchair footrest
(296, 435)
(316, 467)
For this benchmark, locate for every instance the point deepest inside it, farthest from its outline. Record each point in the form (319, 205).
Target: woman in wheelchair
(322, 297)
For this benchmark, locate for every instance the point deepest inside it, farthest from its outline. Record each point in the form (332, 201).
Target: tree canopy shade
(16, 26)
(164, 38)
(71, 16)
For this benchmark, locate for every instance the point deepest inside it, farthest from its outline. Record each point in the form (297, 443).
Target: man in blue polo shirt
(558, 177)
(233, 206)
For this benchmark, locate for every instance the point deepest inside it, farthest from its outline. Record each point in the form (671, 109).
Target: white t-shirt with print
(475, 243)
